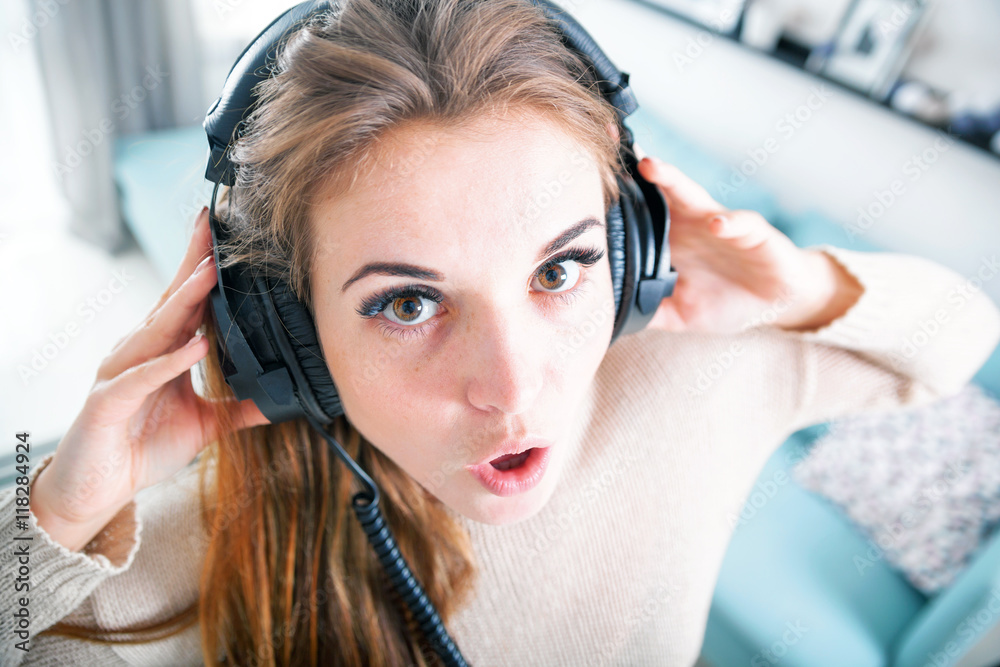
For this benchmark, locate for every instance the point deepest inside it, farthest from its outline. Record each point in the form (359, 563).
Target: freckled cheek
(388, 373)
(358, 369)
(589, 333)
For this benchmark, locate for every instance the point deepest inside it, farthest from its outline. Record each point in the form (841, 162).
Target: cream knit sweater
(619, 567)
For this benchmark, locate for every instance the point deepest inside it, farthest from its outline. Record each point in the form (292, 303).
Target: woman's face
(493, 333)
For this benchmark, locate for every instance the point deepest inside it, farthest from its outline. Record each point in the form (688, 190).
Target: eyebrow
(421, 273)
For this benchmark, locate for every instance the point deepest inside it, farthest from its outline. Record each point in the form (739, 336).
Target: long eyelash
(402, 333)
(584, 256)
(376, 303)
(373, 305)
(575, 293)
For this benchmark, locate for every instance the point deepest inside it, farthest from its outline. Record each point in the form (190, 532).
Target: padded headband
(253, 66)
(270, 350)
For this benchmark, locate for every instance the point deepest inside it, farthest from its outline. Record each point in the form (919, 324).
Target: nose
(506, 358)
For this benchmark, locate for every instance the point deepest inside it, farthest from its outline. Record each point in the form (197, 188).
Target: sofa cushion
(788, 590)
(924, 483)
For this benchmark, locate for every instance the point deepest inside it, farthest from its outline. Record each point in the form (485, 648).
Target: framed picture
(871, 45)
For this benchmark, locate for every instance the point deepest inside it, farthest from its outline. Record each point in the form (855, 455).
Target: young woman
(466, 143)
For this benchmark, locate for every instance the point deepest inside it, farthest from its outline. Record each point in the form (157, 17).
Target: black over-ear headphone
(267, 341)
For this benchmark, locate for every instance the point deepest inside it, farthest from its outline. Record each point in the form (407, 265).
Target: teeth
(511, 462)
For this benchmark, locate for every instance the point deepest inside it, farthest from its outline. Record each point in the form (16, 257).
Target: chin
(482, 506)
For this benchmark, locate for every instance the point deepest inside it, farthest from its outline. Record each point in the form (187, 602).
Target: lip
(514, 446)
(505, 483)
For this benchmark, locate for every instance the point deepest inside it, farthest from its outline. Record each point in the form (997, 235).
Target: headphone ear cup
(616, 253)
(628, 256)
(300, 329)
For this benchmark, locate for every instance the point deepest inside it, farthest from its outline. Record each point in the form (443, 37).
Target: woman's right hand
(142, 420)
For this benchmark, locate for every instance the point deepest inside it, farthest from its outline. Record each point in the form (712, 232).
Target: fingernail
(723, 222)
(194, 341)
(204, 209)
(204, 264)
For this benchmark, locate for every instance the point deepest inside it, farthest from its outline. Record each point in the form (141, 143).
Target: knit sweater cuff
(60, 579)
(865, 324)
(917, 318)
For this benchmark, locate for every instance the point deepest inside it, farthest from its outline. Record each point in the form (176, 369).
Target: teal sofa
(792, 564)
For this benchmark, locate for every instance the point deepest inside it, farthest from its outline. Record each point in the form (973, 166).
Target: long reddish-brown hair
(289, 577)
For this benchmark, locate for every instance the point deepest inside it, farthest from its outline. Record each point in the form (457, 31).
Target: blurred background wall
(880, 118)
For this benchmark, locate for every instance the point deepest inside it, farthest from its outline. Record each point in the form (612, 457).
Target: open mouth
(511, 461)
(512, 474)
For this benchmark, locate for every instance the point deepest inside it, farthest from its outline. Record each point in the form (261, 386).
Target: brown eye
(558, 276)
(408, 310)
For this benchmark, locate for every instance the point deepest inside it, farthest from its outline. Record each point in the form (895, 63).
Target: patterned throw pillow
(923, 484)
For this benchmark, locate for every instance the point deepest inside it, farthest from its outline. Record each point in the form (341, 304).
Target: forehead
(506, 183)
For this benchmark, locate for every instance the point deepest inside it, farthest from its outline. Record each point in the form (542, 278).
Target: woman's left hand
(736, 270)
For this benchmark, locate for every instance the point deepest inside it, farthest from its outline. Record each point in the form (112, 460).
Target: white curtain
(110, 67)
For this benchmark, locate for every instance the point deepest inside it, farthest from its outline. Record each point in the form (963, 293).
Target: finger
(192, 325)
(244, 414)
(744, 229)
(189, 329)
(666, 317)
(198, 248)
(195, 322)
(250, 415)
(165, 327)
(112, 400)
(681, 191)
